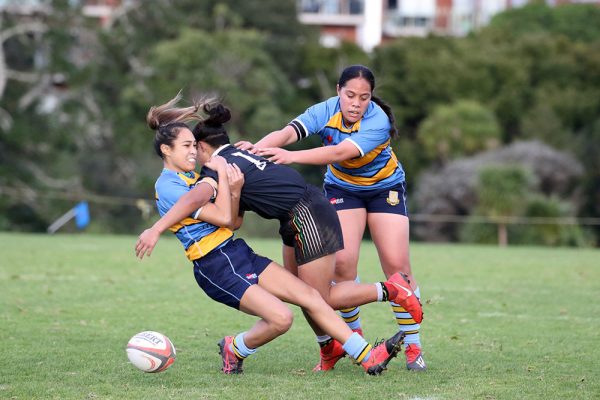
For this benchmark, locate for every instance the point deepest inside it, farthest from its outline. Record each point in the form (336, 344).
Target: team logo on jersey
(335, 201)
(392, 199)
(250, 276)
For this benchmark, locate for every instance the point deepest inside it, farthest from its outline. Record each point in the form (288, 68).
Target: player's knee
(345, 267)
(282, 322)
(401, 266)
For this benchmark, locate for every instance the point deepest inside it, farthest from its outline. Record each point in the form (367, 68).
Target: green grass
(514, 323)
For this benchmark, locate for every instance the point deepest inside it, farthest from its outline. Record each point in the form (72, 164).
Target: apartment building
(371, 22)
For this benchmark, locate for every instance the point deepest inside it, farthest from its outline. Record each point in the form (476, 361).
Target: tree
(578, 22)
(461, 129)
(500, 192)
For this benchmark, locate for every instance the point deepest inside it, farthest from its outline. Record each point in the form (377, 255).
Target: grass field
(513, 323)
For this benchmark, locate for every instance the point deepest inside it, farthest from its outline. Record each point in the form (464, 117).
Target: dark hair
(211, 131)
(360, 71)
(168, 120)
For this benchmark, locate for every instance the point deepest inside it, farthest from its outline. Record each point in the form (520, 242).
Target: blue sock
(357, 347)
(239, 347)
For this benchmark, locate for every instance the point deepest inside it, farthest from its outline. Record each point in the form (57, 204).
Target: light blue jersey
(377, 166)
(198, 237)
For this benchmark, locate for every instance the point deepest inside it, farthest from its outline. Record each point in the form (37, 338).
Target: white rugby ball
(151, 351)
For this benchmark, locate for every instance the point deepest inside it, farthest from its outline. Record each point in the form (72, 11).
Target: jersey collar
(216, 153)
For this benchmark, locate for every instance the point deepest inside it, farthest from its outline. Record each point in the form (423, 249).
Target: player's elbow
(236, 223)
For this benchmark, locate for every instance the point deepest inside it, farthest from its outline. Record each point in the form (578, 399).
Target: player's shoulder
(329, 106)
(375, 117)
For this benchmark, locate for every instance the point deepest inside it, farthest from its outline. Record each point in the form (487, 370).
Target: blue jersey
(198, 237)
(377, 166)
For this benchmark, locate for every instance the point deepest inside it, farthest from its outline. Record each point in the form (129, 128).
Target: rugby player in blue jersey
(364, 181)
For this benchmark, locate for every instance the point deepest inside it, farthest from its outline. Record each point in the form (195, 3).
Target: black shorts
(312, 228)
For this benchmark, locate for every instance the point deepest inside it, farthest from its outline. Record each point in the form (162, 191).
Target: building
(369, 23)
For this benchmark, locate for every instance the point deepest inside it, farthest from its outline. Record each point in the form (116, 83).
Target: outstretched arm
(315, 156)
(280, 138)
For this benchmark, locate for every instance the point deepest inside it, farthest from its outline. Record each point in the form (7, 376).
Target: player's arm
(236, 181)
(187, 204)
(218, 213)
(286, 135)
(283, 137)
(315, 156)
(210, 213)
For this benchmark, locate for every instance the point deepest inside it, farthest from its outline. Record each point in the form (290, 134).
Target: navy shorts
(390, 200)
(313, 228)
(227, 272)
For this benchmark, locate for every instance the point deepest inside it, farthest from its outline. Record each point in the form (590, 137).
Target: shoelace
(378, 342)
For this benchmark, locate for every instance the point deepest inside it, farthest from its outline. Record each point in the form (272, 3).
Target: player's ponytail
(388, 111)
(167, 120)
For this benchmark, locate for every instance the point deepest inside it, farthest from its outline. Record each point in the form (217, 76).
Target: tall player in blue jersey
(364, 181)
(226, 268)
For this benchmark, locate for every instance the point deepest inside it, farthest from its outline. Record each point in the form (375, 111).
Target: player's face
(354, 99)
(203, 153)
(181, 155)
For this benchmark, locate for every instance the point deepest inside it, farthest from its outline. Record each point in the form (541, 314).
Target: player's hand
(246, 145)
(146, 242)
(216, 162)
(235, 177)
(277, 155)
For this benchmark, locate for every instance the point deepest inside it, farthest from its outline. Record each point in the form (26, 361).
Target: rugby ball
(151, 351)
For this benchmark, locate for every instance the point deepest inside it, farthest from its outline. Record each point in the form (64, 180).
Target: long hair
(168, 120)
(360, 71)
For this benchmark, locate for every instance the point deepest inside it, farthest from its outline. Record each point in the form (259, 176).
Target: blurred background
(497, 103)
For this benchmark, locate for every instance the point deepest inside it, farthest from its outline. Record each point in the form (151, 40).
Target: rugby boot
(331, 353)
(414, 358)
(231, 363)
(406, 297)
(382, 353)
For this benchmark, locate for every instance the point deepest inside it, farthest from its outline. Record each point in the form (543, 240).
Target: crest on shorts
(392, 199)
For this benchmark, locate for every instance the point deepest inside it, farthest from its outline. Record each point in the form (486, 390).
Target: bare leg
(392, 244)
(276, 317)
(282, 284)
(353, 228)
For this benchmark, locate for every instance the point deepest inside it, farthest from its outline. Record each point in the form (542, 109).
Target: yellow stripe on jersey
(186, 222)
(385, 172)
(367, 158)
(337, 122)
(206, 244)
(189, 181)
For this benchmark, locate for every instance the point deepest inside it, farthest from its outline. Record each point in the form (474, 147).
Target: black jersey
(270, 190)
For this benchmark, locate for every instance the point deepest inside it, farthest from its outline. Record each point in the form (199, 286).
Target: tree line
(74, 97)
